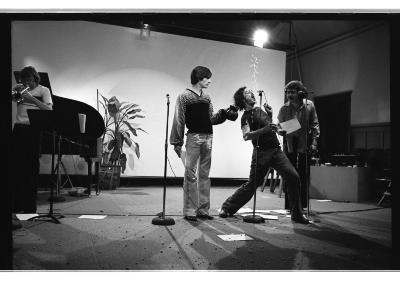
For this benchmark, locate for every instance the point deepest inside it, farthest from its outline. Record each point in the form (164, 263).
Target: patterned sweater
(196, 112)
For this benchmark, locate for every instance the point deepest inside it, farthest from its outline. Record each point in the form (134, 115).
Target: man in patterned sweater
(195, 110)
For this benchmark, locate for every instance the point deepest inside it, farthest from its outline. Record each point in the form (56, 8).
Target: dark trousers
(276, 159)
(25, 168)
(298, 160)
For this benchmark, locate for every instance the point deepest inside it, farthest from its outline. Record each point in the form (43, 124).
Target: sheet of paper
(268, 217)
(235, 237)
(24, 217)
(96, 217)
(324, 200)
(277, 211)
(290, 125)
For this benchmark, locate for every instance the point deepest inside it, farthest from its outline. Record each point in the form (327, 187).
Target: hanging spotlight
(144, 31)
(260, 38)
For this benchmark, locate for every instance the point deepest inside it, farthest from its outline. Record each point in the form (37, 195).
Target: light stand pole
(255, 218)
(161, 219)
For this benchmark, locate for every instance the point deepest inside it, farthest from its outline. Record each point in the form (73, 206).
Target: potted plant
(119, 131)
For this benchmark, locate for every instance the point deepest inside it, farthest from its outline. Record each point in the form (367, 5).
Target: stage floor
(344, 236)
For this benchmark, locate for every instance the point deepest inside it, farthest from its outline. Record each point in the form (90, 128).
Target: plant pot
(109, 177)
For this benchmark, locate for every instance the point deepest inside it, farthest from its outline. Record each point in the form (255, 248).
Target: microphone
(167, 98)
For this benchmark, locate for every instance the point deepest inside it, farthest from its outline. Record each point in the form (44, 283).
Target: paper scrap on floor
(96, 217)
(235, 237)
(269, 217)
(244, 210)
(324, 200)
(277, 211)
(24, 217)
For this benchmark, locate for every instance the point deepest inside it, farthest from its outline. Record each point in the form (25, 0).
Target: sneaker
(190, 218)
(301, 220)
(223, 213)
(204, 216)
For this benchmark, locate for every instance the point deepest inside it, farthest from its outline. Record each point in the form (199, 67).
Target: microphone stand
(306, 164)
(161, 219)
(255, 218)
(306, 161)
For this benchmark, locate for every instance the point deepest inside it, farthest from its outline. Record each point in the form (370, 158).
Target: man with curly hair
(257, 127)
(299, 143)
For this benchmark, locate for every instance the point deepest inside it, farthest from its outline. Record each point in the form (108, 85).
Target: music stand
(57, 123)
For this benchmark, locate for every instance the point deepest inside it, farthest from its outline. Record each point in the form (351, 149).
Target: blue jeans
(196, 183)
(277, 160)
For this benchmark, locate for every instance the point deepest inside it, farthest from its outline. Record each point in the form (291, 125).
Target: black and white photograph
(199, 140)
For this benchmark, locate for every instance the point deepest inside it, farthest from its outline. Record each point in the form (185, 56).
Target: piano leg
(96, 174)
(89, 184)
(89, 162)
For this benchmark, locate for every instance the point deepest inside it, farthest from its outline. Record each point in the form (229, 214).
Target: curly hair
(295, 85)
(199, 73)
(30, 71)
(238, 97)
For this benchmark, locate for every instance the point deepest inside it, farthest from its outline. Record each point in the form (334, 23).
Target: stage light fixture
(260, 37)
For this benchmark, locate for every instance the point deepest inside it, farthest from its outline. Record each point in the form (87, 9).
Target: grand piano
(87, 145)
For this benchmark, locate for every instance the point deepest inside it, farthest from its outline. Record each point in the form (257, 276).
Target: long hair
(199, 73)
(238, 97)
(295, 85)
(30, 71)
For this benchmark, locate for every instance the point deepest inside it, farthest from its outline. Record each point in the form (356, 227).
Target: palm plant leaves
(137, 151)
(119, 128)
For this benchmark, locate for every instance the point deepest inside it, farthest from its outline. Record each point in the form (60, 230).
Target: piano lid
(68, 108)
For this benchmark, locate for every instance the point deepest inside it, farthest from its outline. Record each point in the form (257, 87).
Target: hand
(274, 127)
(28, 97)
(231, 113)
(178, 150)
(247, 136)
(18, 87)
(267, 107)
(281, 132)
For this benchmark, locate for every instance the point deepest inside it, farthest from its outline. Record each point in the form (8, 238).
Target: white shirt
(42, 94)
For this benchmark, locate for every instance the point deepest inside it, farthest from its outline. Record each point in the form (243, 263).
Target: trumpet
(17, 92)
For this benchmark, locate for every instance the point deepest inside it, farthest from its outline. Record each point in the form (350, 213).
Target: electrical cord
(171, 167)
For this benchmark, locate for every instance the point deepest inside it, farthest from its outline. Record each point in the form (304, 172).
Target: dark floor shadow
(259, 254)
(99, 253)
(370, 255)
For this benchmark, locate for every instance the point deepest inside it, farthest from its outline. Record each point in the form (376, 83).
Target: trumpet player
(28, 94)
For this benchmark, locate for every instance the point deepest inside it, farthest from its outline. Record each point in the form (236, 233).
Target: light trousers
(196, 182)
